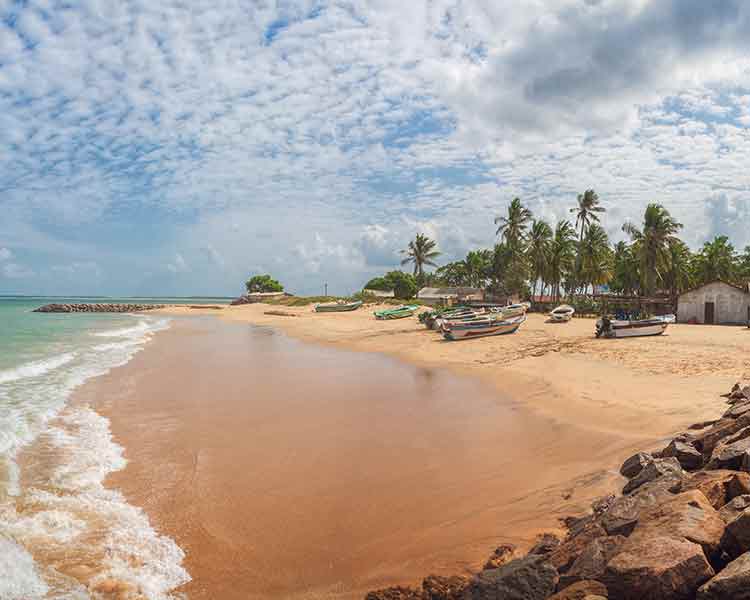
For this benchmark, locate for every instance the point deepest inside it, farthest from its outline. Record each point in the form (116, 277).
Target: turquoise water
(54, 498)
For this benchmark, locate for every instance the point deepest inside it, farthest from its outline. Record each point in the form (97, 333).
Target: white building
(715, 303)
(449, 295)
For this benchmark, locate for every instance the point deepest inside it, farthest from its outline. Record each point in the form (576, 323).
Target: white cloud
(5, 254)
(178, 265)
(15, 271)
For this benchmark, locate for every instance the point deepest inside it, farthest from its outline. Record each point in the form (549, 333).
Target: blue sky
(176, 148)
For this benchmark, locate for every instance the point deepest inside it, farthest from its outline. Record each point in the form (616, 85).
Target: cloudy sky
(176, 147)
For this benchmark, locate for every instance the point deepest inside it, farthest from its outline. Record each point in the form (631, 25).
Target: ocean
(58, 523)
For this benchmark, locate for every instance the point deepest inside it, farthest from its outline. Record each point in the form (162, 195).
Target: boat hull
(562, 314)
(627, 329)
(464, 331)
(323, 308)
(396, 313)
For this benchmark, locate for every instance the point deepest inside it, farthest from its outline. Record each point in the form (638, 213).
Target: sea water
(62, 533)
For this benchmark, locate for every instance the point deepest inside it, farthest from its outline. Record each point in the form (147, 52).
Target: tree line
(576, 256)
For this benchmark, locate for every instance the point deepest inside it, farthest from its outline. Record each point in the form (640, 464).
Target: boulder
(731, 510)
(622, 516)
(706, 441)
(718, 486)
(633, 465)
(702, 424)
(657, 568)
(394, 593)
(656, 469)
(545, 544)
(685, 453)
(581, 590)
(688, 515)
(730, 454)
(737, 409)
(571, 547)
(592, 562)
(501, 556)
(435, 587)
(736, 539)
(528, 578)
(732, 583)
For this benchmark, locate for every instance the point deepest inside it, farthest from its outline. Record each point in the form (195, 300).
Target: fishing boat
(405, 310)
(515, 310)
(432, 318)
(482, 327)
(339, 306)
(617, 328)
(562, 314)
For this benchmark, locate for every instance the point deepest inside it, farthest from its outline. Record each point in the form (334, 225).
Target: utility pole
(325, 287)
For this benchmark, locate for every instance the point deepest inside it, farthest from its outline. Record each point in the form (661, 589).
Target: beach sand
(294, 470)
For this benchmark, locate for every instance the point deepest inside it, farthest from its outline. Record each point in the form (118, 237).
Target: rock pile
(96, 308)
(679, 531)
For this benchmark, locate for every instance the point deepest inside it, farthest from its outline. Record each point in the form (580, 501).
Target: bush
(380, 284)
(263, 284)
(404, 285)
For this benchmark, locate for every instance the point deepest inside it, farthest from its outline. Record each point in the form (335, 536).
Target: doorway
(708, 317)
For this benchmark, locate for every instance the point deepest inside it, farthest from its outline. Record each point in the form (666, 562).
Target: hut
(717, 302)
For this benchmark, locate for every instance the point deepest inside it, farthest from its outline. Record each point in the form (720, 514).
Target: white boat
(481, 327)
(562, 314)
(615, 328)
(515, 310)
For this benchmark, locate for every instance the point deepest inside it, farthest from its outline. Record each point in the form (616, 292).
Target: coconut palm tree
(561, 256)
(595, 256)
(421, 251)
(586, 214)
(477, 267)
(539, 240)
(625, 275)
(512, 227)
(651, 244)
(678, 275)
(716, 260)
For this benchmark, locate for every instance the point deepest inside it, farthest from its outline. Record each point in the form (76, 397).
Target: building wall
(730, 304)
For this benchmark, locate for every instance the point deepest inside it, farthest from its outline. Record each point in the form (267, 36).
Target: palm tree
(512, 228)
(651, 244)
(477, 267)
(595, 256)
(716, 260)
(421, 251)
(561, 256)
(540, 238)
(625, 276)
(679, 273)
(586, 214)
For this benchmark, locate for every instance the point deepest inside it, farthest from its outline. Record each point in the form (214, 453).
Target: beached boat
(432, 318)
(562, 314)
(482, 327)
(614, 328)
(515, 310)
(406, 310)
(340, 306)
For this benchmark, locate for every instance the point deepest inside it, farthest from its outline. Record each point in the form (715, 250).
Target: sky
(178, 147)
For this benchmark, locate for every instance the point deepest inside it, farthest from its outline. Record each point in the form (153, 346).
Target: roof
(745, 289)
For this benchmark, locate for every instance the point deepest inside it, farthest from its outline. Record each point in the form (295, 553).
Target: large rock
(658, 468)
(501, 556)
(633, 465)
(730, 454)
(688, 515)
(592, 562)
(394, 593)
(719, 486)
(571, 547)
(685, 453)
(657, 568)
(435, 587)
(622, 515)
(737, 409)
(581, 590)
(732, 583)
(736, 538)
(545, 544)
(732, 509)
(528, 578)
(706, 441)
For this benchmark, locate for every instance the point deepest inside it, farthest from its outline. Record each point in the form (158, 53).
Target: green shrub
(263, 284)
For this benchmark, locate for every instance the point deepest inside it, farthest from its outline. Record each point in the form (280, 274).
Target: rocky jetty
(97, 308)
(680, 530)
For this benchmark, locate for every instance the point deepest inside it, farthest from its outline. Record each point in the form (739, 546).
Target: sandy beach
(288, 466)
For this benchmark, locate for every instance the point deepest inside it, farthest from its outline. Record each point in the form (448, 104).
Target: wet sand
(293, 470)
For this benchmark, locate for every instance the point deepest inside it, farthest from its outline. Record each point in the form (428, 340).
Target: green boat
(407, 310)
(338, 306)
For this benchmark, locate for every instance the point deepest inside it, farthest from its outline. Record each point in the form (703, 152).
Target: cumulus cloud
(178, 265)
(5, 254)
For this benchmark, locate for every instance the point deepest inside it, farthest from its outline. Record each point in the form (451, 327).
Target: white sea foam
(36, 368)
(73, 500)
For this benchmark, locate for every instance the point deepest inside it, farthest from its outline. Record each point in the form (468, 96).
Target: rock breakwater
(680, 530)
(97, 308)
